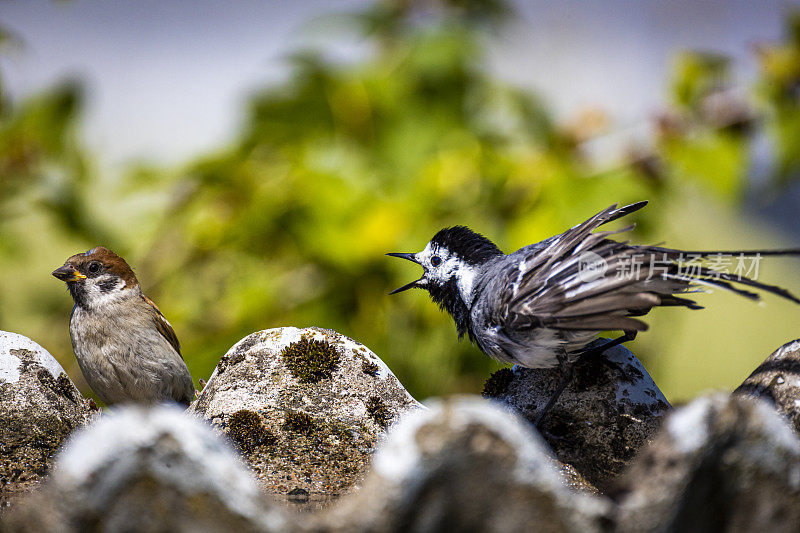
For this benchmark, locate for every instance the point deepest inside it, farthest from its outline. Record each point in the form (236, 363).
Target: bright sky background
(167, 79)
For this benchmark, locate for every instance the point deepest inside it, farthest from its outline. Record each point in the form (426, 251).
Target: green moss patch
(311, 360)
(370, 368)
(377, 410)
(248, 432)
(299, 422)
(498, 383)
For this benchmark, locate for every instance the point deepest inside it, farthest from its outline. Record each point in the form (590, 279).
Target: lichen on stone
(310, 360)
(61, 386)
(498, 383)
(299, 422)
(248, 432)
(377, 410)
(324, 435)
(228, 360)
(39, 409)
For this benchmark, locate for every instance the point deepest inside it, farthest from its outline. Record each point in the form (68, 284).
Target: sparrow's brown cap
(96, 261)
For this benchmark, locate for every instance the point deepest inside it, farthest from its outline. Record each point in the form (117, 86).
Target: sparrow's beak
(68, 273)
(414, 284)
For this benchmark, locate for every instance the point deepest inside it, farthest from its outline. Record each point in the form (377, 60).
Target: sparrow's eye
(436, 261)
(94, 267)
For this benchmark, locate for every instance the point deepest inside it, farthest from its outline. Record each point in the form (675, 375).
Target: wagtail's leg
(592, 352)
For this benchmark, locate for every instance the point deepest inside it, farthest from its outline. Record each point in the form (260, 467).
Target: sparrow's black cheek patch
(107, 285)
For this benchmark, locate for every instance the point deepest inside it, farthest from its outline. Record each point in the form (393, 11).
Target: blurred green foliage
(345, 162)
(779, 88)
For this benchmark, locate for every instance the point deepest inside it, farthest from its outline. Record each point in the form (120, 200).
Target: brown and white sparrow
(126, 349)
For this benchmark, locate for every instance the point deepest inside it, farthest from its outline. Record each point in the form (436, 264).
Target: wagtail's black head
(451, 261)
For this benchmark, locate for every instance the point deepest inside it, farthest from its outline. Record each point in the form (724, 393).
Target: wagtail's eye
(94, 267)
(436, 261)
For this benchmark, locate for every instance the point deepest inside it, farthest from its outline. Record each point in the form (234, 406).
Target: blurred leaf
(779, 89)
(696, 75)
(718, 161)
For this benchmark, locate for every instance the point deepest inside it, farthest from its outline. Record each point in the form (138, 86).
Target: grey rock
(305, 407)
(603, 418)
(777, 379)
(39, 408)
(465, 464)
(148, 469)
(721, 463)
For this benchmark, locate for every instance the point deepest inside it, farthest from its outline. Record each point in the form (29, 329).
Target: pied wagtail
(541, 306)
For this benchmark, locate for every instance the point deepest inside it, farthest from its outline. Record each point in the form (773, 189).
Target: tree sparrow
(125, 347)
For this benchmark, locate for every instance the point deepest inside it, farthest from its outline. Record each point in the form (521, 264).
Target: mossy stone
(299, 422)
(248, 432)
(498, 383)
(377, 410)
(311, 361)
